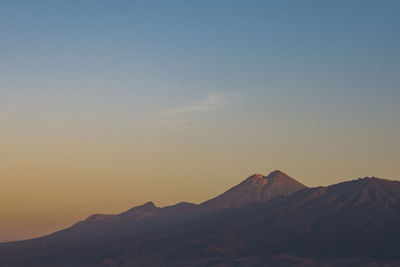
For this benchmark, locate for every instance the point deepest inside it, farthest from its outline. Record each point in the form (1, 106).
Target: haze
(106, 105)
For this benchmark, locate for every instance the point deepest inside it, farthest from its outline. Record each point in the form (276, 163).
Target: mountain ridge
(255, 188)
(355, 221)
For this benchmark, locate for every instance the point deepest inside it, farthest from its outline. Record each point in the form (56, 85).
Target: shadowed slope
(256, 188)
(357, 221)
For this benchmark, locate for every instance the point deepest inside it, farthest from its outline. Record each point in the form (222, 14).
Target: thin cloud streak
(212, 102)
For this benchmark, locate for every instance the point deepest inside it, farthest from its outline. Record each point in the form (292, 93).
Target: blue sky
(320, 65)
(172, 52)
(228, 45)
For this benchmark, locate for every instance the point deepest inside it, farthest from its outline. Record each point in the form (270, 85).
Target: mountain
(134, 222)
(352, 220)
(147, 210)
(353, 223)
(256, 188)
(148, 217)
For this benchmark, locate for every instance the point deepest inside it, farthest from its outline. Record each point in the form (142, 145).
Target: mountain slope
(354, 223)
(256, 188)
(146, 218)
(355, 219)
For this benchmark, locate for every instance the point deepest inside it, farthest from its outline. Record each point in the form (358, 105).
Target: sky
(105, 105)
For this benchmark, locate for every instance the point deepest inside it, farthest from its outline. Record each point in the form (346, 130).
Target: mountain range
(270, 220)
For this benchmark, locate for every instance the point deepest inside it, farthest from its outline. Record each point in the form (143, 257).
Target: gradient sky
(109, 104)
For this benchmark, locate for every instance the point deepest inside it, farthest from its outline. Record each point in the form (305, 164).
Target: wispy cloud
(211, 102)
(183, 115)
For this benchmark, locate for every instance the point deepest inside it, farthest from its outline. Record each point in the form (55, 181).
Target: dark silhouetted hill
(264, 221)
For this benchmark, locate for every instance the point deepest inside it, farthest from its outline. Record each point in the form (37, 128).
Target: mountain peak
(149, 204)
(273, 177)
(147, 207)
(256, 188)
(277, 173)
(273, 174)
(256, 175)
